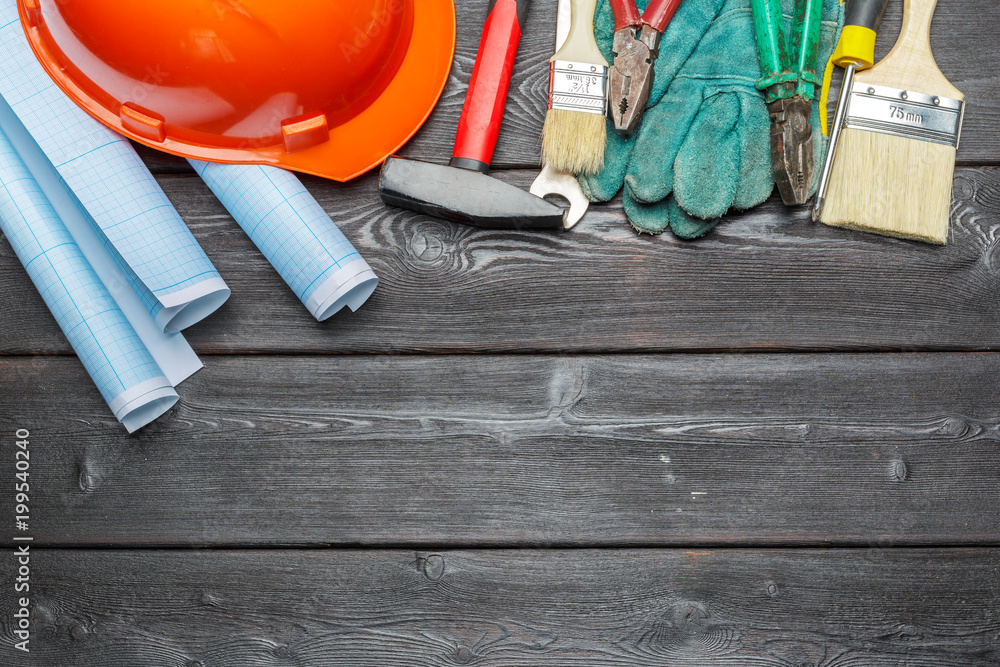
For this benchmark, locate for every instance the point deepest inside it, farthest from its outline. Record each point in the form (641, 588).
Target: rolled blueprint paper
(168, 267)
(128, 377)
(170, 351)
(296, 235)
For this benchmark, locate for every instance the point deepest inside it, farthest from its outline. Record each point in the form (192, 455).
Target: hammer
(463, 191)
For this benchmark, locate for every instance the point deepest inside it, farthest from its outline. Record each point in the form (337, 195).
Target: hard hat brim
(355, 146)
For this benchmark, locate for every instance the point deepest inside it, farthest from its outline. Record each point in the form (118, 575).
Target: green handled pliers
(789, 83)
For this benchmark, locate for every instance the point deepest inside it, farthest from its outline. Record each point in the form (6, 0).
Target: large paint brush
(895, 157)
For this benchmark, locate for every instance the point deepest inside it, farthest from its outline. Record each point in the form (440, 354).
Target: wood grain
(518, 450)
(634, 608)
(768, 279)
(965, 52)
(396, 461)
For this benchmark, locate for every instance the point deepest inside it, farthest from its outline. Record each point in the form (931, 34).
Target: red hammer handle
(479, 126)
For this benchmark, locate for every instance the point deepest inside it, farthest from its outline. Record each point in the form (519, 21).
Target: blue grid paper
(43, 172)
(284, 221)
(105, 174)
(97, 329)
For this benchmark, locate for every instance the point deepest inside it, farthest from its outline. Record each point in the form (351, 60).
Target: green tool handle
(788, 70)
(768, 26)
(808, 22)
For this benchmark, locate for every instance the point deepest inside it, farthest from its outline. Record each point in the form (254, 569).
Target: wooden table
(779, 445)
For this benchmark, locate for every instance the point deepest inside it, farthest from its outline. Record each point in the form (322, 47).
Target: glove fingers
(655, 218)
(648, 218)
(606, 183)
(650, 176)
(707, 167)
(756, 179)
(685, 226)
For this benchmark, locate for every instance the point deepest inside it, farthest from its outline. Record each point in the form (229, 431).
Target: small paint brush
(575, 133)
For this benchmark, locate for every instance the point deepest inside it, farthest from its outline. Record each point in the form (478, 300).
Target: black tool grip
(865, 13)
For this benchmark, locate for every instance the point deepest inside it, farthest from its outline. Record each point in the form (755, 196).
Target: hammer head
(464, 196)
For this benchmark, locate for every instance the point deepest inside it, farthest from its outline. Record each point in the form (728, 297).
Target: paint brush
(895, 157)
(575, 134)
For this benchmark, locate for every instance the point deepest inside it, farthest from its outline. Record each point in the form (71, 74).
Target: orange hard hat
(319, 86)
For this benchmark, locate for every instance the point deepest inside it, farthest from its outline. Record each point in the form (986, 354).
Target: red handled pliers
(636, 45)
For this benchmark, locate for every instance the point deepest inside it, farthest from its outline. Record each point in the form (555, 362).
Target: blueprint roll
(294, 233)
(162, 261)
(129, 378)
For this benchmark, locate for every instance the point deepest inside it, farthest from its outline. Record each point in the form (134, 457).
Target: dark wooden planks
(964, 47)
(635, 608)
(511, 450)
(765, 279)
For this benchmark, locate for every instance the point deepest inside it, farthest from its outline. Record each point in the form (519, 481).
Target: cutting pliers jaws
(636, 46)
(631, 77)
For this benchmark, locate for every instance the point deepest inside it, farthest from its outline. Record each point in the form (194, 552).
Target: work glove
(704, 146)
(679, 40)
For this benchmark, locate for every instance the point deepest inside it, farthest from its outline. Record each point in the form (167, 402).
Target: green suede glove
(704, 146)
(679, 40)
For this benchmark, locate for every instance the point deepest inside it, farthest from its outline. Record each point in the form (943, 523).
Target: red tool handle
(479, 126)
(626, 14)
(659, 13)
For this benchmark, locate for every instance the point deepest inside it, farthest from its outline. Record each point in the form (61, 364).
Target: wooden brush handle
(915, 35)
(580, 45)
(911, 65)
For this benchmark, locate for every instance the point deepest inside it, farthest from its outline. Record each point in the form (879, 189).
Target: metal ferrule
(906, 114)
(577, 86)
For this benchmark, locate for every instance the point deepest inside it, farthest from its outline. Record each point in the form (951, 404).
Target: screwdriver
(855, 51)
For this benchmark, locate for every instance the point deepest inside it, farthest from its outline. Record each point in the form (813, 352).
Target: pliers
(636, 46)
(789, 82)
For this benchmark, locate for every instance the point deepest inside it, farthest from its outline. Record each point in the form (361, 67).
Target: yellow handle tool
(856, 46)
(856, 50)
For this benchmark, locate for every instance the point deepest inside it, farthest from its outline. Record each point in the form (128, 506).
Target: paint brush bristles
(891, 185)
(573, 142)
